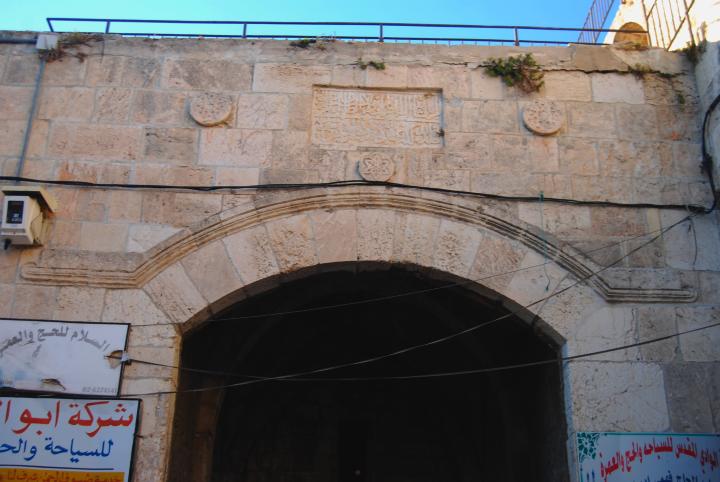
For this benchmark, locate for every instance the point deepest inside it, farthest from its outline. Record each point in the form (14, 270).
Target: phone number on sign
(109, 390)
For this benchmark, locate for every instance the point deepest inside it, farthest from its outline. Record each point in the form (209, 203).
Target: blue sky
(30, 15)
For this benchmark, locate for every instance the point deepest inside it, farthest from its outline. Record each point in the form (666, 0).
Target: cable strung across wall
(355, 183)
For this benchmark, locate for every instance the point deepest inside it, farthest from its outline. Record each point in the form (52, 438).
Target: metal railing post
(107, 26)
(517, 37)
(382, 34)
(244, 30)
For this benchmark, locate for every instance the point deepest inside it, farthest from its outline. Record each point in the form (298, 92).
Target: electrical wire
(353, 183)
(422, 291)
(432, 342)
(257, 378)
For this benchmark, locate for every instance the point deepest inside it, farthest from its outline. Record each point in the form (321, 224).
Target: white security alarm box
(23, 214)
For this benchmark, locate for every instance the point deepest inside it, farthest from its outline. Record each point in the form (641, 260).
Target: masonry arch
(449, 428)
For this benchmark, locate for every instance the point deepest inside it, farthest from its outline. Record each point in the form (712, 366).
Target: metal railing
(378, 32)
(596, 18)
(665, 19)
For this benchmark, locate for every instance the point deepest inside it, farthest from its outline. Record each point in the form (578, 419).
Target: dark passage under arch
(507, 426)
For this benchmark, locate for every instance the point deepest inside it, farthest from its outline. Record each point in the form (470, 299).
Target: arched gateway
(443, 264)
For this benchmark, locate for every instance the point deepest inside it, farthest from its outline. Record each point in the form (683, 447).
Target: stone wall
(431, 118)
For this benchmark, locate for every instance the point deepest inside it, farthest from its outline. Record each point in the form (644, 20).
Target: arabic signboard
(65, 357)
(64, 439)
(642, 457)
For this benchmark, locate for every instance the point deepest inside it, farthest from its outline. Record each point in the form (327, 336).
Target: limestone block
(490, 116)
(415, 239)
(144, 236)
(178, 145)
(8, 265)
(207, 75)
(617, 189)
(617, 88)
(34, 302)
(11, 135)
(618, 397)
(175, 294)
(562, 221)
(213, 274)
(447, 179)
(289, 78)
(567, 86)
(375, 229)
(158, 108)
(236, 147)
(252, 255)
(65, 234)
(394, 76)
(335, 235)
(348, 76)
(123, 71)
(125, 206)
(485, 87)
(66, 103)
(149, 463)
(563, 311)
(179, 209)
(7, 293)
(691, 401)
(701, 346)
(611, 221)
(262, 111)
(636, 122)
(69, 71)
(641, 159)
(79, 304)
(85, 141)
(454, 81)
(681, 240)
(237, 176)
(577, 156)
(21, 69)
(288, 176)
(103, 237)
(604, 328)
(15, 102)
(293, 242)
(495, 259)
(538, 279)
(173, 176)
(300, 112)
(687, 159)
(136, 387)
(91, 171)
(112, 104)
(290, 149)
(510, 153)
(543, 154)
(455, 248)
(591, 120)
(655, 322)
(677, 124)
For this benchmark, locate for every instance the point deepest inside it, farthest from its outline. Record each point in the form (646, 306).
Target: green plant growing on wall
(318, 42)
(377, 65)
(694, 51)
(521, 71)
(67, 45)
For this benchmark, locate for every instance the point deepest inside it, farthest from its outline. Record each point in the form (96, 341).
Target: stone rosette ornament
(211, 109)
(543, 117)
(376, 167)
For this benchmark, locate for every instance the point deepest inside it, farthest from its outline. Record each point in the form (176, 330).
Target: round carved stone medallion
(543, 117)
(375, 166)
(211, 109)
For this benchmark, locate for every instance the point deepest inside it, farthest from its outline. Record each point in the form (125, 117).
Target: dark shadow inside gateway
(507, 425)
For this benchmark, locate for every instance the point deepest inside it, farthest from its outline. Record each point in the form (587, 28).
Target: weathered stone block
(375, 234)
(636, 122)
(66, 103)
(262, 111)
(152, 107)
(252, 255)
(179, 209)
(21, 69)
(577, 156)
(456, 246)
(235, 147)
(176, 145)
(79, 304)
(125, 206)
(85, 141)
(543, 154)
(335, 235)
(485, 87)
(15, 102)
(391, 76)
(618, 397)
(654, 322)
(617, 88)
(236, 176)
(176, 295)
(8, 265)
(123, 71)
(293, 242)
(103, 237)
(290, 149)
(415, 239)
(207, 75)
(690, 397)
(112, 105)
(144, 236)
(289, 78)
(213, 274)
(591, 120)
(567, 86)
(34, 302)
(700, 346)
(131, 306)
(490, 116)
(68, 71)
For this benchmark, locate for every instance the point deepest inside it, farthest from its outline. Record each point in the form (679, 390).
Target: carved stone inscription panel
(376, 118)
